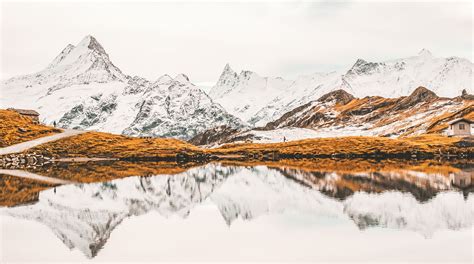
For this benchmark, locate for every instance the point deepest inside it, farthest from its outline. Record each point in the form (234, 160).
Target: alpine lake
(315, 210)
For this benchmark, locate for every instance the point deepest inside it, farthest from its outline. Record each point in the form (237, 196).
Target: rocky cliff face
(214, 135)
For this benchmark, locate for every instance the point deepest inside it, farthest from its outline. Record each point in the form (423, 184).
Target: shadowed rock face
(465, 95)
(320, 113)
(339, 96)
(213, 135)
(363, 67)
(420, 95)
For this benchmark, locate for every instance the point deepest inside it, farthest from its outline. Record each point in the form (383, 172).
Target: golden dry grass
(351, 145)
(15, 191)
(100, 171)
(98, 144)
(12, 124)
(351, 166)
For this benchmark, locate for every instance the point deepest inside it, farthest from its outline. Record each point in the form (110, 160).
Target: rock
(466, 96)
(339, 96)
(213, 135)
(421, 94)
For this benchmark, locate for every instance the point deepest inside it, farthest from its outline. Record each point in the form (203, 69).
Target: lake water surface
(246, 213)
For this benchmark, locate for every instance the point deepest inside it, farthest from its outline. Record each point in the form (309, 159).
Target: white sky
(284, 39)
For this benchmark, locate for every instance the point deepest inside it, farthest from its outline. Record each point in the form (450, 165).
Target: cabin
(460, 127)
(32, 114)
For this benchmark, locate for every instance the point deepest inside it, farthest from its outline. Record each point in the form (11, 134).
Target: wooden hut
(460, 127)
(28, 113)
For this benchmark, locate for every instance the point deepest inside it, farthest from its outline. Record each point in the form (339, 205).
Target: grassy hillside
(15, 191)
(105, 145)
(354, 166)
(15, 128)
(101, 171)
(353, 145)
(97, 144)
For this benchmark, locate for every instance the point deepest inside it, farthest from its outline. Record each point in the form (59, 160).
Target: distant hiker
(284, 139)
(55, 190)
(54, 123)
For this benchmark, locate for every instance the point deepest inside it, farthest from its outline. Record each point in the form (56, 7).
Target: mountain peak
(72, 53)
(227, 68)
(183, 78)
(228, 76)
(360, 62)
(228, 72)
(91, 43)
(425, 53)
(363, 67)
(165, 78)
(419, 95)
(85, 62)
(339, 96)
(423, 93)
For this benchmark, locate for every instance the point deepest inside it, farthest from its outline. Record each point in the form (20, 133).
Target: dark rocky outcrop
(363, 67)
(287, 115)
(213, 135)
(339, 96)
(466, 96)
(421, 94)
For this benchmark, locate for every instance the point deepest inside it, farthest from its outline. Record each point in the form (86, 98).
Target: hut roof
(457, 120)
(25, 111)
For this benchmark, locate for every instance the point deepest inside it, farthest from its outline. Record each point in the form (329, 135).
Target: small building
(460, 127)
(28, 113)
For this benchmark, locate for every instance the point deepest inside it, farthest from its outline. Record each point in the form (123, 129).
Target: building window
(462, 127)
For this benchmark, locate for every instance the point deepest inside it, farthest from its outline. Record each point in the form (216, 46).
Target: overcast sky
(284, 39)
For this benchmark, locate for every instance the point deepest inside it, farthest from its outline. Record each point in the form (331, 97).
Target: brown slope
(385, 116)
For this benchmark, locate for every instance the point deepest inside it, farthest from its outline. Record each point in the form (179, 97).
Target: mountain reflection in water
(84, 215)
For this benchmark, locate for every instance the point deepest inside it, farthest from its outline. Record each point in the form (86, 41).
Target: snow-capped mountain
(259, 100)
(83, 89)
(84, 215)
(339, 113)
(244, 94)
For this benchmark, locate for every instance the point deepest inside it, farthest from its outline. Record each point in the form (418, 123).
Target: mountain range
(339, 113)
(82, 89)
(259, 100)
